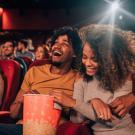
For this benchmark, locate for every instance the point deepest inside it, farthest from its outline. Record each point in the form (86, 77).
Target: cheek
(36, 53)
(84, 62)
(96, 65)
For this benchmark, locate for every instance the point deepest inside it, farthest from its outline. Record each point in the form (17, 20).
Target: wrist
(132, 98)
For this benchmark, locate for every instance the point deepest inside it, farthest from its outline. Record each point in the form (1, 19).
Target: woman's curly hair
(75, 40)
(111, 50)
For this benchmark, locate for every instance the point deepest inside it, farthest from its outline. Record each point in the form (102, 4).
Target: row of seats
(13, 72)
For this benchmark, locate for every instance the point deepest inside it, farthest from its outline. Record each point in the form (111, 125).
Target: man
(22, 50)
(8, 49)
(60, 74)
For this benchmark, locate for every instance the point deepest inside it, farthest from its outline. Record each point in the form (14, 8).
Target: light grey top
(85, 91)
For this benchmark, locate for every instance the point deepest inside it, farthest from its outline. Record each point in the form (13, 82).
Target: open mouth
(57, 53)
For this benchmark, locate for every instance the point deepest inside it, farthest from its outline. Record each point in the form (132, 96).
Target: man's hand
(121, 105)
(62, 98)
(21, 97)
(32, 92)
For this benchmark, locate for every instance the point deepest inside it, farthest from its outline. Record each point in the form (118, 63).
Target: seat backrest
(11, 71)
(24, 67)
(69, 128)
(27, 60)
(40, 62)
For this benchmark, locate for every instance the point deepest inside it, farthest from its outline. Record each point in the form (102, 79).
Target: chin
(91, 73)
(55, 63)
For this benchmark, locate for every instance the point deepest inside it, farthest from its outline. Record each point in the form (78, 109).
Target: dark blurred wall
(33, 19)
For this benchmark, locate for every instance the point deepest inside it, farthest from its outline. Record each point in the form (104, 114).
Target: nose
(56, 45)
(89, 62)
(5, 48)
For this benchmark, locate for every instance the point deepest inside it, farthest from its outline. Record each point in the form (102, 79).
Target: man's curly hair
(75, 40)
(115, 59)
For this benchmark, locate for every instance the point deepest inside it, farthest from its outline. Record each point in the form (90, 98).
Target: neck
(62, 69)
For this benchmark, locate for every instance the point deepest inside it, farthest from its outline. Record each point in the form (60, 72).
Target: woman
(107, 67)
(41, 53)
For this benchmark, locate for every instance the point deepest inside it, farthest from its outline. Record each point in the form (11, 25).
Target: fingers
(119, 108)
(102, 110)
(105, 113)
(109, 114)
(122, 113)
(35, 92)
(57, 95)
(32, 92)
(99, 113)
(115, 103)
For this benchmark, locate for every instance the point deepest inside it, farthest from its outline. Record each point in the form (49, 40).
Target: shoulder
(79, 76)
(79, 80)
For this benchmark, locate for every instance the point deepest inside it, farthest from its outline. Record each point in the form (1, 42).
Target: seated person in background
(41, 53)
(1, 86)
(30, 47)
(8, 50)
(22, 50)
(60, 74)
(107, 68)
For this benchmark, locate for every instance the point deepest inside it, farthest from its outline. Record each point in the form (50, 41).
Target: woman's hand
(102, 109)
(62, 98)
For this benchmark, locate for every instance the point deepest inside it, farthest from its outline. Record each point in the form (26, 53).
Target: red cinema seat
(40, 62)
(11, 71)
(69, 128)
(27, 60)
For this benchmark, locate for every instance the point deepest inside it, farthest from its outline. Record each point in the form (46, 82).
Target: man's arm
(121, 105)
(16, 108)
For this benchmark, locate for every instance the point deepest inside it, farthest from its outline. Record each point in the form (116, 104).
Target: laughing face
(62, 50)
(88, 60)
(8, 48)
(40, 53)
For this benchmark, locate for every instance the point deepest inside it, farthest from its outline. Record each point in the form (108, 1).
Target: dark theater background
(30, 16)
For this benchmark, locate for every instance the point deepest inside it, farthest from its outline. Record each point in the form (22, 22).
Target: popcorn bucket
(39, 115)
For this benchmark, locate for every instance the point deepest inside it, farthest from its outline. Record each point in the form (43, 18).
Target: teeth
(57, 52)
(90, 68)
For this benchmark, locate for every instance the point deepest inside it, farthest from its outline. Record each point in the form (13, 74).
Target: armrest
(5, 117)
